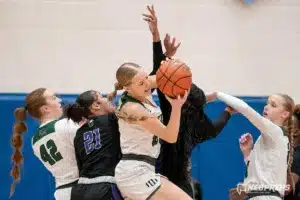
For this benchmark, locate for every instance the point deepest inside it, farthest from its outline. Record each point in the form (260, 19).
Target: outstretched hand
(211, 97)
(152, 20)
(171, 45)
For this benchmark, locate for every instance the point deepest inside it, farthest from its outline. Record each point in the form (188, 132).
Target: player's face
(53, 105)
(275, 110)
(140, 85)
(101, 105)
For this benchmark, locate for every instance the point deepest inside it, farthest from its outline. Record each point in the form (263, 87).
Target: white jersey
(135, 139)
(53, 145)
(268, 159)
(267, 163)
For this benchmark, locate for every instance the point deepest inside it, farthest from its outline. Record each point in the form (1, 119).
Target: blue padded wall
(217, 164)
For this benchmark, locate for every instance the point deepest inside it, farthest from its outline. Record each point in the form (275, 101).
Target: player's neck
(278, 122)
(141, 99)
(46, 119)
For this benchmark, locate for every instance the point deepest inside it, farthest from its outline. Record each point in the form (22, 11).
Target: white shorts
(136, 179)
(63, 194)
(266, 198)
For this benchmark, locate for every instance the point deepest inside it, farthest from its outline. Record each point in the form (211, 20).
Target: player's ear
(94, 107)
(126, 88)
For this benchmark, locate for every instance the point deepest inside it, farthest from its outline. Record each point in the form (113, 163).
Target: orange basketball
(173, 78)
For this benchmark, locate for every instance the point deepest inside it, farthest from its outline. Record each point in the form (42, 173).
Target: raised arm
(204, 129)
(267, 128)
(170, 45)
(220, 123)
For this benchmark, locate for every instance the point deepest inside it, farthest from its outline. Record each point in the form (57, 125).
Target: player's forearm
(172, 129)
(265, 126)
(156, 36)
(221, 122)
(158, 56)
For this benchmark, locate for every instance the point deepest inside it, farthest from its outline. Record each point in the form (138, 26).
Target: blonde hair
(124, 75)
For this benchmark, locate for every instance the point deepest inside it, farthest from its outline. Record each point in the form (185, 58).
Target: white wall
(73, 45)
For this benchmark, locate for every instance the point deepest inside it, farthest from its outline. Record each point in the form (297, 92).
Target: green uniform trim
(44, 131)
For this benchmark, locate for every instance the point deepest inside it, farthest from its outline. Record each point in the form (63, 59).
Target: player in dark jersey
(195, 126)
(97, 147)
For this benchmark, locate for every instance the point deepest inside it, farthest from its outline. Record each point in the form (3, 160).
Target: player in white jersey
(140, 129)
(52, 143)
(268, 161)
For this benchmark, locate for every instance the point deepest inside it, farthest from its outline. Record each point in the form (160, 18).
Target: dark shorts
(97, 191)
(192, 188)
(186, 186)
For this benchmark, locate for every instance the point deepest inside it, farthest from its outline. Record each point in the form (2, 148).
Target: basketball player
(195, 126)
(267, 163)
(246, 145)
(52, 142)
(97, 147)
(140, 128)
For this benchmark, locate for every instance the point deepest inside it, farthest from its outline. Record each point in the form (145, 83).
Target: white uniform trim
(99, 179)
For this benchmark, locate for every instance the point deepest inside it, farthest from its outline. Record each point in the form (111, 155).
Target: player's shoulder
(133, 108)
(65, 125)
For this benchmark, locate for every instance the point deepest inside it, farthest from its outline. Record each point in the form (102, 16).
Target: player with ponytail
(269, 160)
(97, 147)
(52, 143)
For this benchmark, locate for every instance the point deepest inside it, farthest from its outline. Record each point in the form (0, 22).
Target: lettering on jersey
(53, 156)
(151, 182)
(92, 140)
(154, 140)
(91, 123)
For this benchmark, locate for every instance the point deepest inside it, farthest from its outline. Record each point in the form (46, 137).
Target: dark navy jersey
(97, 146)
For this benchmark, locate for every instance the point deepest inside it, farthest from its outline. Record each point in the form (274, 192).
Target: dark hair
(80, 109)
(34, 101)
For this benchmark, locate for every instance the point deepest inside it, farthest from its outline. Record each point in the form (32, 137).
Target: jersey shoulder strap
(44, 131)
(283, 130)
(125, 98)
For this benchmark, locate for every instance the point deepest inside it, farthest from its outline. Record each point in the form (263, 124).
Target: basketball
(173, 78)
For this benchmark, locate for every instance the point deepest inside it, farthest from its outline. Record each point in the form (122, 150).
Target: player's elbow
(171, 140)
(171, 137)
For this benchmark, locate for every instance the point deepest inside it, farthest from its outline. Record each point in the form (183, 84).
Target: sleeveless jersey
(134, 138)
(97, 146)
(53, 145)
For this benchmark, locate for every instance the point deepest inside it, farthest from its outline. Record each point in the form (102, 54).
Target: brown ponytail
(290, 133)
(18, 129)
(290, 129)
(297, 124)
(113, 94)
